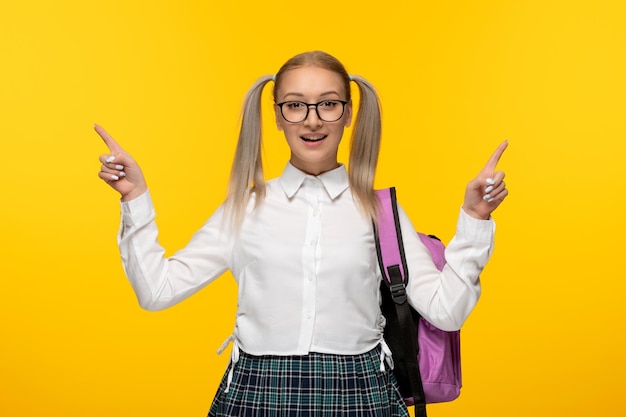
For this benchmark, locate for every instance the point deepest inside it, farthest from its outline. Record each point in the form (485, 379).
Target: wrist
(131, 195)
(475, 214)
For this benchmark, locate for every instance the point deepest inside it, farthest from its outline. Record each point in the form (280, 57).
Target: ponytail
(246, 176)
(365, 147)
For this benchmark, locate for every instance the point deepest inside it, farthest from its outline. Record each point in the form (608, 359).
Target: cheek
(338, 131)
(290, 134)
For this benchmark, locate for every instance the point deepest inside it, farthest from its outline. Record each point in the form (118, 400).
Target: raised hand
(120, 170)
(485, 192)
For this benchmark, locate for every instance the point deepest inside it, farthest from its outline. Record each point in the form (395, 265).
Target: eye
(294, 105)
(328, 104)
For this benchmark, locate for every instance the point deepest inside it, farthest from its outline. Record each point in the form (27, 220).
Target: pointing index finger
(113, 146)
(495, 157)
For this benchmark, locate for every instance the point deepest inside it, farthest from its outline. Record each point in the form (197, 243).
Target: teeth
(313, 138)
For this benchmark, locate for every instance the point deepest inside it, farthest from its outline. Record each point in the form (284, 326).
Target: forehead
(310, 82)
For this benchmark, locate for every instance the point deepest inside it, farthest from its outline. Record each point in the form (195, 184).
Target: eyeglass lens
(298, 111)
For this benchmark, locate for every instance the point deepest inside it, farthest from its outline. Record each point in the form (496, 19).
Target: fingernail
(115, 177)
(490, 200)
(110, 159)
(490, 181)
(120, 167)
(488, 189)
(487, 197)
(122, 174)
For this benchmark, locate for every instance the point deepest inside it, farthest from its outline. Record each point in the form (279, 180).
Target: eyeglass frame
(308, 108)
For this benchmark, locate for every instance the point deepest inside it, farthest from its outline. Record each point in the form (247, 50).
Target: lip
(313, 138)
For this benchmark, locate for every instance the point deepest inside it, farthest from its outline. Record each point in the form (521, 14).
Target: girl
(308, 336)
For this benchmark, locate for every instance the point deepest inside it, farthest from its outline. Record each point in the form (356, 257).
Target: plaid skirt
(313, 385)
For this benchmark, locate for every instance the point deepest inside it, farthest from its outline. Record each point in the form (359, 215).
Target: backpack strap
(392, 261)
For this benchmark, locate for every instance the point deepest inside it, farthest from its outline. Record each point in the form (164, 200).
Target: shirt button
(308, 315)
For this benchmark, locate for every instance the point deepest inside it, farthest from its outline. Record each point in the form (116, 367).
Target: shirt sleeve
(446, 298)
(161, 282)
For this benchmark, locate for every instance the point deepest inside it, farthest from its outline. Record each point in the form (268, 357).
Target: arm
(446, 298)
(158, 282)
(161, 282)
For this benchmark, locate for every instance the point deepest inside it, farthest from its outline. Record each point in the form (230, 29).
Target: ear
(279, 118)
(348, 114)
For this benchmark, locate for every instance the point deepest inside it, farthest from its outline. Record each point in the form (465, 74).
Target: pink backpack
(427, 360)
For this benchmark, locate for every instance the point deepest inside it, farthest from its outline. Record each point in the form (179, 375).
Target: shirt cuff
(472, 229)
(137, 210)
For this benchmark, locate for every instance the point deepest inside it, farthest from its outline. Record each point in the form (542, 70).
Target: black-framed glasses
(298, 111)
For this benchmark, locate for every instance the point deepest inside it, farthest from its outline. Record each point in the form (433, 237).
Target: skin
(312, 85)
(120, 170)
(487, 191)
(313, 143)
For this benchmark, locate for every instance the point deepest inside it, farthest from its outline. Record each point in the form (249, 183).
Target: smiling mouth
(313, 138)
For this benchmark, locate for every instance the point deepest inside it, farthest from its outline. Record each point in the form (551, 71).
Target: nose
(312, 119)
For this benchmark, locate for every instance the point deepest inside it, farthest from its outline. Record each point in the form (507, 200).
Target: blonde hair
(246, 177)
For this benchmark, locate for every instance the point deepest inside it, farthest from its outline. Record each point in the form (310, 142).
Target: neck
(315, 169)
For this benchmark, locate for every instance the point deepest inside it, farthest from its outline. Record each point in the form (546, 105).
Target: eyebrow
(327, 93)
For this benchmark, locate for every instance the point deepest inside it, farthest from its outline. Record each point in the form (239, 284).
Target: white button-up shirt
(306, 267)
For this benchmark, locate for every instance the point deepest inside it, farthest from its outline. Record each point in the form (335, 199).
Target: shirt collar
(334, 181)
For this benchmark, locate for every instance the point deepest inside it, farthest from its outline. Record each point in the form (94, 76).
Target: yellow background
(167, 78)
